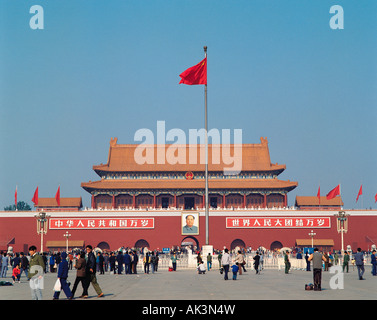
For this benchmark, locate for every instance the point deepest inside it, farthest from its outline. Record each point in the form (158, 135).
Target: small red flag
(196, 74)
(375, 198)
(35, 198)
(15, 198)
(57, 196)
(360, 193)
(333, 193)
(319, 195)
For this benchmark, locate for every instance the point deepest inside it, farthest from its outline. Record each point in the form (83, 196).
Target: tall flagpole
(206, 164)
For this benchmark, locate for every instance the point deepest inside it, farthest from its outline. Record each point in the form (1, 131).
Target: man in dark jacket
(62, 276)
(90, 274)
(127, 263)
(24, 264)
(120, 262)
(134, 262)
(112, 260)
(100, 263)
(359, 261)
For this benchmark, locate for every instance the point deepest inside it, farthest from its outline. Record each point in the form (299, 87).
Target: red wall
(167, 232)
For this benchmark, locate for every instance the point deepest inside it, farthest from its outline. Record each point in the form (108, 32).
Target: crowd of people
(88, 263)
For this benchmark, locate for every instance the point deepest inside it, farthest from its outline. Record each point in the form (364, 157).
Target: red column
(265, 200)
(154, 201)
(93, 202)
(224, 203)
(113, 202)
(244, 200)
(133, 201)
(175, 201)
(204, 201)
(285, 200)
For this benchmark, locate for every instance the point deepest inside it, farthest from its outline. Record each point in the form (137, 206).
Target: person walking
(374, 262)
(174, 261)
(235, 268)
(101, 261)
(24, 264)
(4, 265)
(146, 261)
(307, 261)
(209, 261)
(261, 259)
(112, 260)
(240, 260)
(359, 261)
(287, 262)
(157, 259)
(80, 273)
(119, 260)
(62, 276)
(327, 261)
(317, 258)
(135, 261)
(106, 261)
(336, 259)
(225, 262)
(153, 262)
(346, 260)
(256, 263)
(219, 256)
(52, 263)
(35, 273)
(127, 263)
(90, 274)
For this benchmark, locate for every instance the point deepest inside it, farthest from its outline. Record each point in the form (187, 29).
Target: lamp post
(312, 234)
(42, 219)
(342, 225)
(66, 235)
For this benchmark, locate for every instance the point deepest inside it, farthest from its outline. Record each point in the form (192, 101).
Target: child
(235, 270)
(16, 274)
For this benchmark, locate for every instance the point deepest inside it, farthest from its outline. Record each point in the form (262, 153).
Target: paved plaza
(186, 284)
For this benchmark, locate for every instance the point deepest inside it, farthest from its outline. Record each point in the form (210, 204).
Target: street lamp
(342, 225)
(67, 235)
(312, 234)
(42, 219)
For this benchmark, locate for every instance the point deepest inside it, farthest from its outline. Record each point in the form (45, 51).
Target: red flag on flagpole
(319, 195)
(333, 193)
(360, 193)
(196, 74)
(375, 198)
(35, 197)
(57, 196)
(15, 198)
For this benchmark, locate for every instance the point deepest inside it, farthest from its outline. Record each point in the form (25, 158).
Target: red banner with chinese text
(278, 222)
(101, 223)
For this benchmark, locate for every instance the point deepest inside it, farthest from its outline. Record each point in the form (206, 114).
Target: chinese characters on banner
(101, 223)
(278, 222)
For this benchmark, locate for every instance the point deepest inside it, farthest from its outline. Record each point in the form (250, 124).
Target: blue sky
(106, 69)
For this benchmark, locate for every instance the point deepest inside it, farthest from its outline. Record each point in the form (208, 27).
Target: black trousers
(317, 278)
(226, 270)
(77, 281)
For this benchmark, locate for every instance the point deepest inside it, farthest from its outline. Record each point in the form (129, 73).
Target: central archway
(185, 242)
(276, 245)
(141, 243)
(103, 245)
(237, 243)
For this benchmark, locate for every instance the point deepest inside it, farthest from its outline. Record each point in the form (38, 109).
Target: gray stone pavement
(186, 284)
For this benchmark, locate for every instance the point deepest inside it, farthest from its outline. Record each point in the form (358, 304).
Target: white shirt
(225, 260)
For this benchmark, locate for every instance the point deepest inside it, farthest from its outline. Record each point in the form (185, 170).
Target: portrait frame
(185, 231)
